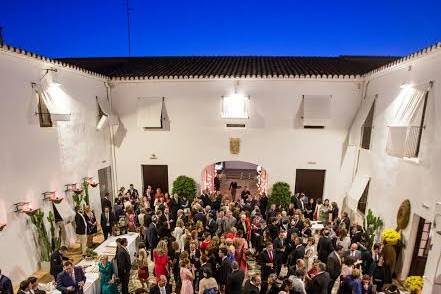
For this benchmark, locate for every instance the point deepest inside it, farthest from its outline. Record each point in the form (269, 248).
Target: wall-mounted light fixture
(102, 116)
(53, 197)
(24, 207)
(70, 187)
(50, 78)
(91, 181)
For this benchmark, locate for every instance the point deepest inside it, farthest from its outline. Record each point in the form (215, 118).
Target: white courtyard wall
(393, 179)
(34, 160)
(273, 137)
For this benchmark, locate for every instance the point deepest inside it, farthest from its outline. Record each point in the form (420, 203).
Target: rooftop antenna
(1, 37)
(128, 27)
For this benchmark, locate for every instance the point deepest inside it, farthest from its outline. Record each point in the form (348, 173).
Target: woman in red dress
(241, 246)
(160, 259)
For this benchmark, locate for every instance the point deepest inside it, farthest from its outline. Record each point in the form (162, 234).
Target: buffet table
(90, 267)
(316, 226)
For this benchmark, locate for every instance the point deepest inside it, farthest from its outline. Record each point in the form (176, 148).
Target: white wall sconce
(50, 78)
(53, 197)
(24, 207)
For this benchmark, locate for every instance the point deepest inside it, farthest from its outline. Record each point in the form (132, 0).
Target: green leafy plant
(185, 187)
(78, 199)
(280, 194)
(37, 220)
(55, 241)
(371, 225)
(86, 190)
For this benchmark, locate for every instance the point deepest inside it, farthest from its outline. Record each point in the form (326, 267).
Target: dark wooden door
(155, 176)
(421, 250)
(311, 182)
(105, 182)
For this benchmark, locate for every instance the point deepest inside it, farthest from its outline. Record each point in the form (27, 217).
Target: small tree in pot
(280, 194)
(185, 187)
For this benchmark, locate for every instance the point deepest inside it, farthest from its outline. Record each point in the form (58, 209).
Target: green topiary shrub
(280, 194)
(185, 187)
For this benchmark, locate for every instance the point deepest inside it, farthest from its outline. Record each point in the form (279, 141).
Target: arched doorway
(244, 174)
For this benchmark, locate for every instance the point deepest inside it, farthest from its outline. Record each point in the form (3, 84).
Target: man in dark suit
(24, 288)
(205, 198)
(133, 193)
(71, 280)
(334, 264)
(224, 270)
(235, 280)
(81, 229)
(108, 220)
(33, 286)
(124, 265)
(324, 246)
(5, 284)
(152, 235)
(320, 282)
(252, 286)
(353, 252)
(57, 259)
(216, 182)
(298, 251)
(162, 287)
(211, 224)
(105, 202)
(279, 245)
(267, 262)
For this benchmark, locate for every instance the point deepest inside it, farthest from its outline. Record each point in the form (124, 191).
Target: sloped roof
(230, 66)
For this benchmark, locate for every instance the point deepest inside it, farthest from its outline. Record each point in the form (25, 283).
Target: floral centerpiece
(414, 283)
(390, 236)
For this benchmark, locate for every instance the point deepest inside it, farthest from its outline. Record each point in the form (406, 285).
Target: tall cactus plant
(55, 241)
(43, 238)
(86, 190)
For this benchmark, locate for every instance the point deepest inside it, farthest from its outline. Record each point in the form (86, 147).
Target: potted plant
(371, 224)
(37, 220)
(185, 187)
(55, 242)
(414, 284)
(280, 194)
(390, 239)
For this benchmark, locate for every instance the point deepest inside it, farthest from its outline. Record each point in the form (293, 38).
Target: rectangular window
(366, 129)
(235, 107)
(316, 111)
(405, 133)
(44, 116)
(149, 112)
(362, 202)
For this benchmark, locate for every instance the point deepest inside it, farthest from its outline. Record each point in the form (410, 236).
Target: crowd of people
(206, 245)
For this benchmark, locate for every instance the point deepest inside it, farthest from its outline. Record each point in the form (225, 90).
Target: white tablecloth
(316, 226)
(93, 278)
(111, 243)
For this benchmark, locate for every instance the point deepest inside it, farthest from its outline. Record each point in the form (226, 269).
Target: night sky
(79, 28)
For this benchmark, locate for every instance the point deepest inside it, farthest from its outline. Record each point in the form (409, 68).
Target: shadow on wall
(120, 134)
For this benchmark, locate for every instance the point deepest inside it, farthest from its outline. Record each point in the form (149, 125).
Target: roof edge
(55, 62)
(420, 53)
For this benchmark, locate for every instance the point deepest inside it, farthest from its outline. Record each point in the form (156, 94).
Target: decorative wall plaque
(234, 145)
(403, 214)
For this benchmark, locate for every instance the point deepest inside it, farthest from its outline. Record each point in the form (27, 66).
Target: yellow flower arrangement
(414, 283)
(390, 236)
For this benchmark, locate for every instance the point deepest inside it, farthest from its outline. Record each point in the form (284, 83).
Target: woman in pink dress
(160, 259)
(187, 277)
